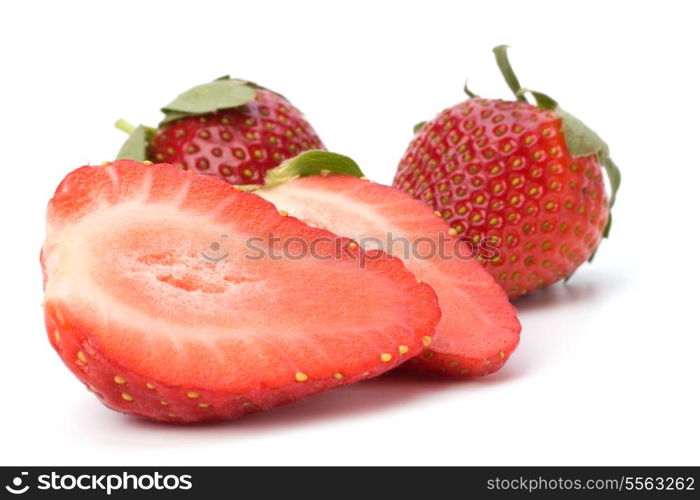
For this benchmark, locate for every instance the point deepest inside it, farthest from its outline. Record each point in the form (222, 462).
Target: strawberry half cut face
(164, 297)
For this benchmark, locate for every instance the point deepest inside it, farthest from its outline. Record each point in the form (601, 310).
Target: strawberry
(230, 128)
(522, 180)
(159, 299)
(478, 329)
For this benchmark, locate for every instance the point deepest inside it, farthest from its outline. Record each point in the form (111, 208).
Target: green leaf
(580, 139)
(311, 163)
(212, 96)
(418, 126)
(615, 178)
(171, 116)
(136, 146)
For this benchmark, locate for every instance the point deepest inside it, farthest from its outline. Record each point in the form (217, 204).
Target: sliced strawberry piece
(479, 328)
(161, 300)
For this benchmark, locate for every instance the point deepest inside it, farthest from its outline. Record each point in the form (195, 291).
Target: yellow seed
(106, 163)
(338, 376)
(127, 397)
(437, 214)
(385, 357)
(59, 317)
(352, 245)
(148, 163)
(56, 336)
(463, 371)
(150, 386)
(192, 394)
(427, 340)
(487, 362)
(452, 363)
(283, 213)
(452, 232)
(501, 354)
(403, 349)
(172, 415)
(81, 357)
(203, 405)
(301, 377)
(325, 172)
(164, 403)
(119, 380)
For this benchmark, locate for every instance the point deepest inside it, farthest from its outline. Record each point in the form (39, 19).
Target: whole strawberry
(522, 181)
(230, 128)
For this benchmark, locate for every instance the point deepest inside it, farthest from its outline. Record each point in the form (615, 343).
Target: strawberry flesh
(479, 328)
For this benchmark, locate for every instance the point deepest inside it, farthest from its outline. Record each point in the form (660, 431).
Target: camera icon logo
(16, 488)
(215, 253)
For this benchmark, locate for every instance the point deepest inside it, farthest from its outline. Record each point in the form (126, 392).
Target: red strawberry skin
(129, 392)
(149, 359)
(238, 144)
(499, 172)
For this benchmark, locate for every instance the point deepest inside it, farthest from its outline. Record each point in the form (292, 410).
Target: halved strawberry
(479, 328)
(163, 296)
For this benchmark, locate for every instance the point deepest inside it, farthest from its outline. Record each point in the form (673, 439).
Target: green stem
(501, 53)
(125, 126)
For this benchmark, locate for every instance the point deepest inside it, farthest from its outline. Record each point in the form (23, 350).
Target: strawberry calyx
(136, 146)
(306, 164)
(581, 140)
(223, 93)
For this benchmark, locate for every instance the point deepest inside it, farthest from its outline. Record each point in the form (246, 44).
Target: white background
(607, 371)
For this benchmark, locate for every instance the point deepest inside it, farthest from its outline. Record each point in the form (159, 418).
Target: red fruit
(238, 143)
(155, 300)
(478, 329)
(525, 181)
